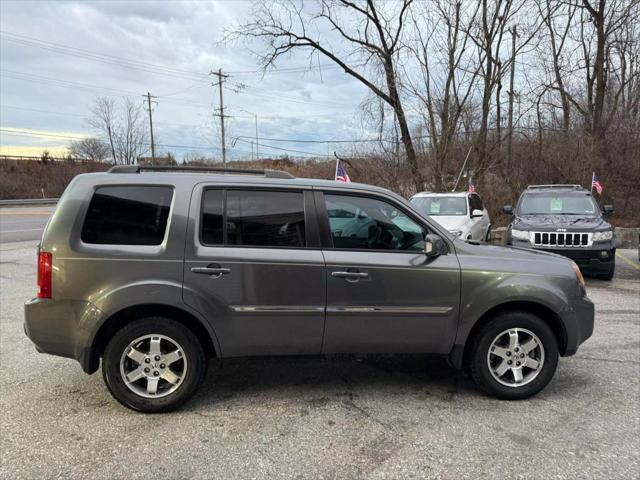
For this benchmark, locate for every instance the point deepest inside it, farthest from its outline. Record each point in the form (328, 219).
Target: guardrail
(19, 202)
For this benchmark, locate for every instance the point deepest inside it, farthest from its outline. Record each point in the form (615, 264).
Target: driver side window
(362, 223)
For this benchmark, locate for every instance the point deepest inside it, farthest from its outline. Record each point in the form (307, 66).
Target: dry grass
(25, 179)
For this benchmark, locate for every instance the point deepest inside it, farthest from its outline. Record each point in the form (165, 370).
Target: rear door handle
(214, 271)
(350, 275)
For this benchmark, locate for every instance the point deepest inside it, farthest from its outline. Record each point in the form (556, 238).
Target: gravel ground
(338, 418)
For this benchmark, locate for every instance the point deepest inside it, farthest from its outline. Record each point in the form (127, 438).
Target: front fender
(483, 291)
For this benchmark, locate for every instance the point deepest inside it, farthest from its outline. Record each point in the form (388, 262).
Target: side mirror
(477, 213)
(507, 209)
(608, 209)
(433, 245)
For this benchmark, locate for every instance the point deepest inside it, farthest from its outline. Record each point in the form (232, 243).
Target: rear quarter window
(127, 215)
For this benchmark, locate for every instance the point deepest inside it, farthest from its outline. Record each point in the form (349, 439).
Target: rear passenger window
(267, 219)
(213, 217)
(127, 215)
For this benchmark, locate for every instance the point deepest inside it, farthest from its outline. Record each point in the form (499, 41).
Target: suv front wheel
(513, 356)
(153, 364)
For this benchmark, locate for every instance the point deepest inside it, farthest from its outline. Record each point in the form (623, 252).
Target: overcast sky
(56, 56)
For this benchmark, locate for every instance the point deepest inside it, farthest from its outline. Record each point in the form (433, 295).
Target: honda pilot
(149, 272)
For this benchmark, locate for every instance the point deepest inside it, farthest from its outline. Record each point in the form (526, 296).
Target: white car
(462, 213)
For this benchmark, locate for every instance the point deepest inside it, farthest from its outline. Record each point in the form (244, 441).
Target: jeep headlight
(603, 236)
(520, 234)
(457, 233)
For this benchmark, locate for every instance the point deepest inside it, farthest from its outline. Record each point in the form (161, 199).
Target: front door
(252, 270)
(384, 295)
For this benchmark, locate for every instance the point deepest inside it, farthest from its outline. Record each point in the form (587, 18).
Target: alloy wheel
(515, 357)
(153, 366)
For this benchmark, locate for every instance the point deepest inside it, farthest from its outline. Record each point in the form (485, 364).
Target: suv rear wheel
(154, 364)
(514, 356)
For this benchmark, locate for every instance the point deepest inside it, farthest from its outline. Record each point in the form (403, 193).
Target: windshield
(557, 205)
(441, 205)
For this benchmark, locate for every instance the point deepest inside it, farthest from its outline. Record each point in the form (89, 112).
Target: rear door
(254, 268)
(384, 295)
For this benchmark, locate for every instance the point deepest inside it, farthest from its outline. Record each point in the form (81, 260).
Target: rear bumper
(61, 327)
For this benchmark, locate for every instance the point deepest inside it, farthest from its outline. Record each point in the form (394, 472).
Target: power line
(31, 134)
(63, 83)
(315, 154)
(293, 140)
(242, 88)
(43, 111)
(42, 79)
(125, 62)
(99, 57)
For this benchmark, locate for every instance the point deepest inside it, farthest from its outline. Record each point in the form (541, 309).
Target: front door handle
(214, 271)
(350, 275)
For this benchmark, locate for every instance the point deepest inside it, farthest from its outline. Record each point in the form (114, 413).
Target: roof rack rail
(559, 185)
(189, 168)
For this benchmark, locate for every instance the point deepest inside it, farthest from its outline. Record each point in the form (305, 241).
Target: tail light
(45, 264)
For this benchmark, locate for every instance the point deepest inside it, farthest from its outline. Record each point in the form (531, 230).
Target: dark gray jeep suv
(565, 219)
(154, 270)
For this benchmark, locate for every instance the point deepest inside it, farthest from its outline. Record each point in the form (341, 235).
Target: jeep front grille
(561, 239)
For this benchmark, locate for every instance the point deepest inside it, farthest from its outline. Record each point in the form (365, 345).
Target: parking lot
(326, 418)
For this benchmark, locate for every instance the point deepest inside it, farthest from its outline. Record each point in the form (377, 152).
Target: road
(23, 223)
(335, 418)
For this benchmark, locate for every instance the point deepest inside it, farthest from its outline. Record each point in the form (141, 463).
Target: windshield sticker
(434, 208)
(556, 205)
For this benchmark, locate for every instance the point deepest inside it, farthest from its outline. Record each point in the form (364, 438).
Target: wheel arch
(126, 315)
(459, 354)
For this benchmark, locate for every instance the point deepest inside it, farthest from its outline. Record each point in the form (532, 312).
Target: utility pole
(256, 117)
(514, 35)
(221, 78)
(153, 146)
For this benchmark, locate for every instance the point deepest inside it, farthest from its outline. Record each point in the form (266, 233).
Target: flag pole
(335, 175)
(462, 169)
(593, 176)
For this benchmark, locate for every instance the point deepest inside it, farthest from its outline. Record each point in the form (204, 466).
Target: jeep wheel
(153, 365)
(609, 275)
(514, 356)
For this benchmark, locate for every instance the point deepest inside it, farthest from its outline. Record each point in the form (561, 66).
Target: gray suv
(567, 220)
(155, 270)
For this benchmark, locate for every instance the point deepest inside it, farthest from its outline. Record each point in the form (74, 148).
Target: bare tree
(103, 119)
(448, 74)
(124, 126)
(590, 74)
(361, 36)
(91, 149)
(558, 20)
(131, 139)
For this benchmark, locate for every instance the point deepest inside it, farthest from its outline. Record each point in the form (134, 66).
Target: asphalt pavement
(23, 223)
(326, 418)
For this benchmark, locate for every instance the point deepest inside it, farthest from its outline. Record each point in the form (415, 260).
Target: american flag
(472, 187)
(341, 173)
(595, 183)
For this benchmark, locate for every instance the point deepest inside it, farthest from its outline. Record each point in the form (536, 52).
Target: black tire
(609, 275)
(196, 362)
(479, 350)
